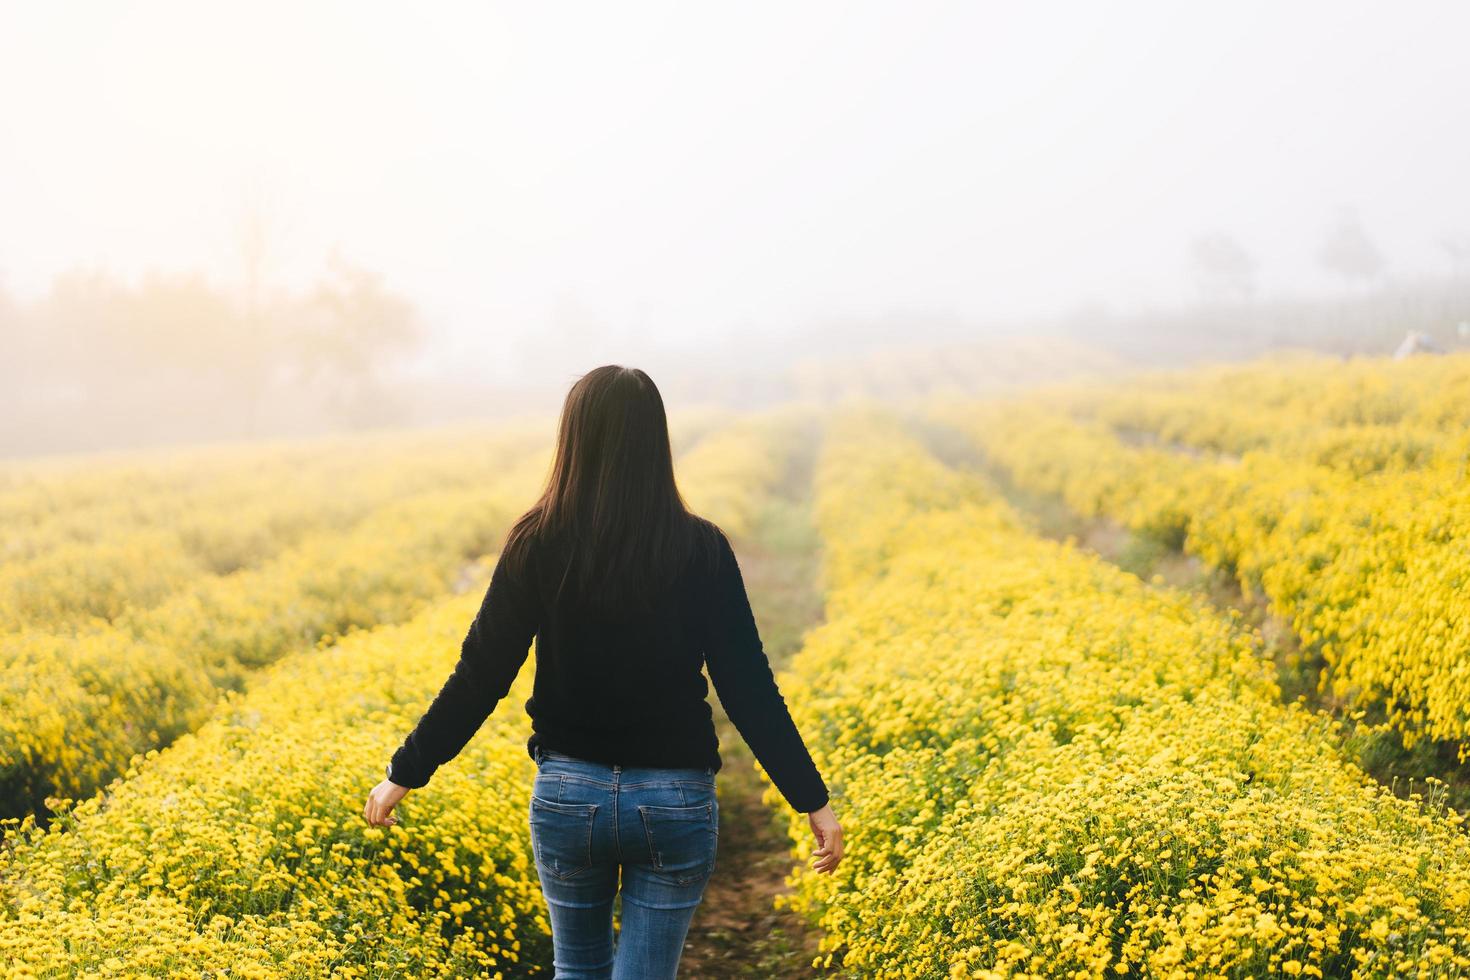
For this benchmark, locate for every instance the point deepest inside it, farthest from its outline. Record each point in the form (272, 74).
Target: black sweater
(629, 692)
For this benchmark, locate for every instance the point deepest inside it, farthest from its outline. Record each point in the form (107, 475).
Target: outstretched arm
(742, 677)
(490, 657)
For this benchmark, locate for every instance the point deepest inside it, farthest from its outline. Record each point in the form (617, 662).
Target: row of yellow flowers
(1360, 416)
(729, 475)
(98, 540)
(1370, 569)
(240, 849)
(1050, 768)
(147, 486)
(97, 536)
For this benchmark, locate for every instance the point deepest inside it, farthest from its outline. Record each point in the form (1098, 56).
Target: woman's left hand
(381, 801)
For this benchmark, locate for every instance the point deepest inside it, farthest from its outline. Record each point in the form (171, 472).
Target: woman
(628, 596)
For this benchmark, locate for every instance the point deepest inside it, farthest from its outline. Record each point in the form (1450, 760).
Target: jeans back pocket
(561, 836)
(681, 840)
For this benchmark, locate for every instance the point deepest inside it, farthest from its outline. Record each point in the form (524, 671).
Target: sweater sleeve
(491, 655)
(742, 676)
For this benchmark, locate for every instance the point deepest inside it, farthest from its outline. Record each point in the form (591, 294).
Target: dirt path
(736, 932)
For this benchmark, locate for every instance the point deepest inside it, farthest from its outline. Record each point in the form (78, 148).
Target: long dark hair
(623, 530)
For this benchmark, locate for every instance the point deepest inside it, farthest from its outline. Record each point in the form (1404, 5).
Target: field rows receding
(129, 612)
(1350, 533)
(76, 704)
(1053, 768)
(241, 846)
(1046, 766)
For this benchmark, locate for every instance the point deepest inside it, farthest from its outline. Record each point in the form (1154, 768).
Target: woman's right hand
(380, 803)
(829, 839)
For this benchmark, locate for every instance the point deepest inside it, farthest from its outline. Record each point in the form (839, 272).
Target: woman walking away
(628, 596)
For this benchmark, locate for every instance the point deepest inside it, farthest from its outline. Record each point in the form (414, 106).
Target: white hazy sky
(687, 170)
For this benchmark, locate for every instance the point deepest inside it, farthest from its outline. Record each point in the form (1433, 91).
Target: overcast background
(552, 186)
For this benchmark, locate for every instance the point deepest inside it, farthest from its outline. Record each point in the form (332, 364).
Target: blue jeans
(589, 820)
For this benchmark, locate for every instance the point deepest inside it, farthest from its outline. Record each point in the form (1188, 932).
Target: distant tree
(1222, 268)
(110, 363)
(353, 330)
(125, 364)
(177, 323)
(1347, 251)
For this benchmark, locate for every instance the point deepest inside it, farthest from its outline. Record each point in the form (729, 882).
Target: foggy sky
(684, 171)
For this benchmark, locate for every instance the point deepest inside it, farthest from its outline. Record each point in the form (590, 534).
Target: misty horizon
(722, 196)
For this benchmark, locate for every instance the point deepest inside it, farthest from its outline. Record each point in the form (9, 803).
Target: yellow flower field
(1045, 766)
(240, 849)
(1355, 541)
(120, 638)
(1359, 415)
(76, 702)
(1053, 769)
(99, 541)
